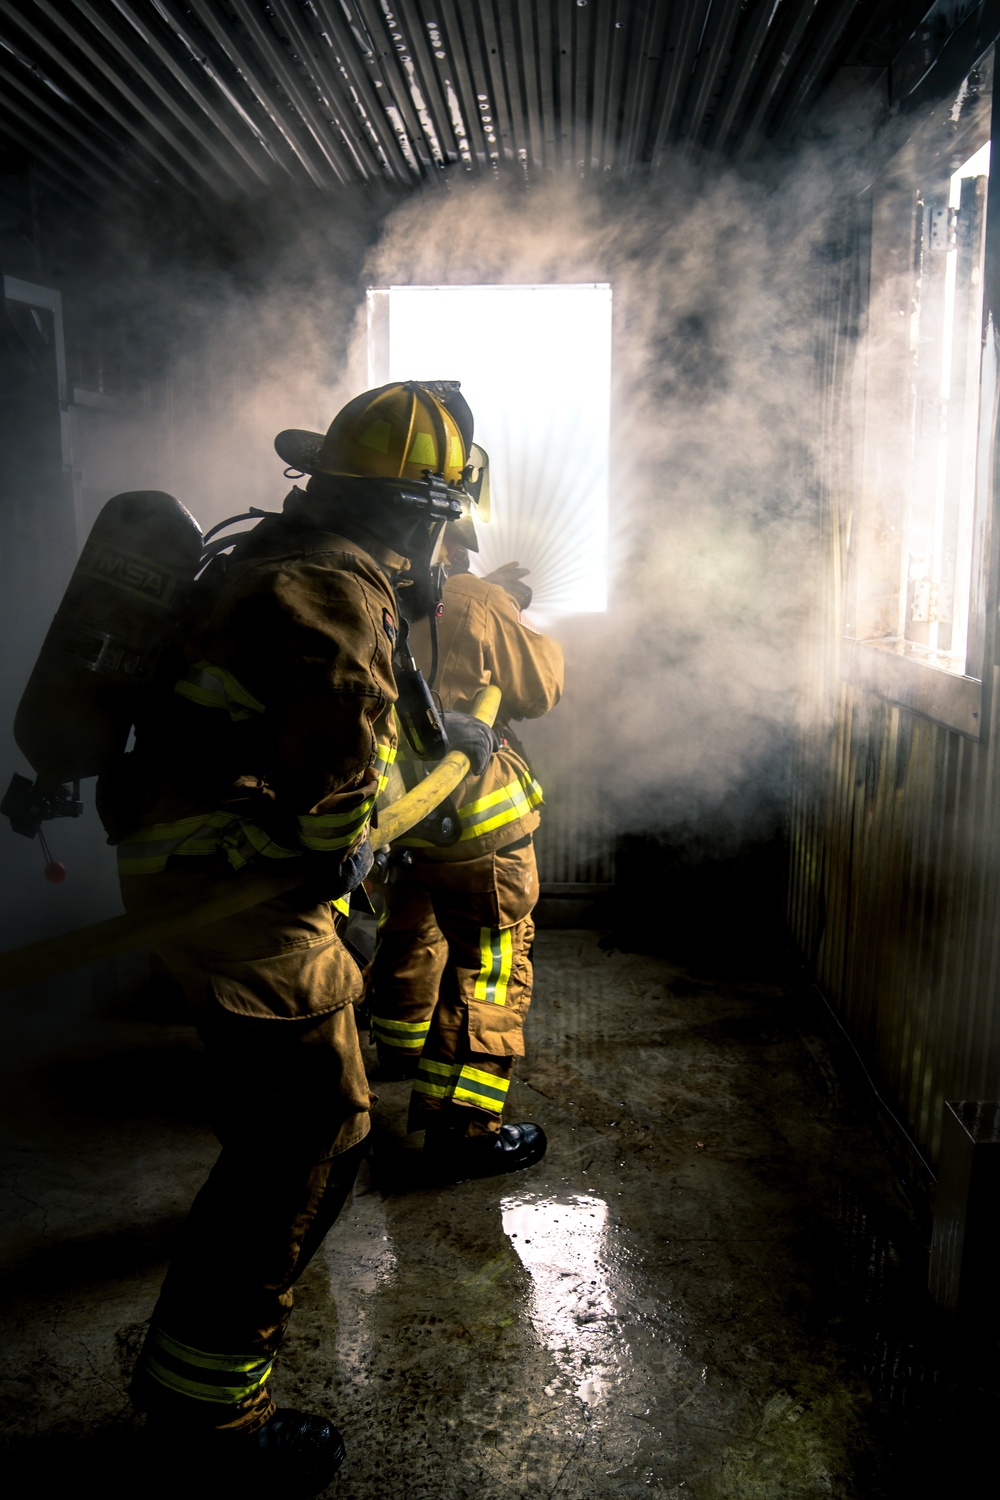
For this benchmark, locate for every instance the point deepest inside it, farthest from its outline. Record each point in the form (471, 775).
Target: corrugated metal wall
(575, 842)
(895, 823)
(227, 96)
(895, 890)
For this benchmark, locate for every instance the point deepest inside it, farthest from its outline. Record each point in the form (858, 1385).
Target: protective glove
(509, 577)
(348, 873)
(474, 738)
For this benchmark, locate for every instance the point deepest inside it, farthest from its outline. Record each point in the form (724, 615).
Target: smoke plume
(681, 697)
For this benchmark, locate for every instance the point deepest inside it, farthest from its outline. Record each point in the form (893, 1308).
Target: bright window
(915, 580)
(534, 364)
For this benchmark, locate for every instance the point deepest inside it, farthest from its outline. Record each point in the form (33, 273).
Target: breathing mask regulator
(399, 464)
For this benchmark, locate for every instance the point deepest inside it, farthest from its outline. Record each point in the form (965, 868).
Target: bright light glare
(957, 443)
(977, 165)
(572, 1308)
(535, 366)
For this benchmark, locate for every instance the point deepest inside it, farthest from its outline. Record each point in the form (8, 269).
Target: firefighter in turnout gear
(452, 975)
(267, 746)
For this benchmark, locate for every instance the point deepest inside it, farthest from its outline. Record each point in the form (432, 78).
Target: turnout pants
(452, 982)
(291, 1104)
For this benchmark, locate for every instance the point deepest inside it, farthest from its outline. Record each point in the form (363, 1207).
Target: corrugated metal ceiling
(228, 96)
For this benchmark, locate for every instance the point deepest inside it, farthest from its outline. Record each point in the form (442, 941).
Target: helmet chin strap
(423, 582)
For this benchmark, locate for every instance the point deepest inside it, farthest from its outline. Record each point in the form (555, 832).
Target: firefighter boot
(294, 1455)
(394, 1066)
(452, 1156)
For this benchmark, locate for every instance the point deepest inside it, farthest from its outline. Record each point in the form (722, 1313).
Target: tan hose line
(85, 945)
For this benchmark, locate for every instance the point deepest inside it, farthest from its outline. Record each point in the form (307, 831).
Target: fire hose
(86, 945)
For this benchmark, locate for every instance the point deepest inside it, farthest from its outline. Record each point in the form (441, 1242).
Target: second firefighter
(452, 976)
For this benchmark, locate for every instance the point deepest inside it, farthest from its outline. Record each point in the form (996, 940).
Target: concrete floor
(711, 1287)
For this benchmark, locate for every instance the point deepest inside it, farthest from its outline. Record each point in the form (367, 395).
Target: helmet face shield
(462, 531)
(437, 542)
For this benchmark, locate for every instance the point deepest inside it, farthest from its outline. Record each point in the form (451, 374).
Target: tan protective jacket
(278, 733)
(482, 638)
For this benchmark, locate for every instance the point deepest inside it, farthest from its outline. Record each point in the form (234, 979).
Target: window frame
(954, 699)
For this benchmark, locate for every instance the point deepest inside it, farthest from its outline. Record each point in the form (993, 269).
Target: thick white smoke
(685, 690)
(682, 695)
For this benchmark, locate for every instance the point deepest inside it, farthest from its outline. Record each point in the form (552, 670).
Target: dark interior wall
(39, 535)
(190, 338)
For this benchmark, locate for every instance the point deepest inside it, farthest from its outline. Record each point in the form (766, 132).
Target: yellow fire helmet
(398, 431)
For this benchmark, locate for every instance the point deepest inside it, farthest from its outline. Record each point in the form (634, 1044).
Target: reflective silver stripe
(460, 1081)
(496, 957)
(505, 805)
(472, 1086)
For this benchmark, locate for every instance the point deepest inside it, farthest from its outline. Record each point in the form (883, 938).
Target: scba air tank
(120, 605)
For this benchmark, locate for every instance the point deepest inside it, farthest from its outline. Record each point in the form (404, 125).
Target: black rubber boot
(394, 1067)
(293, 1456)
(450, 1157)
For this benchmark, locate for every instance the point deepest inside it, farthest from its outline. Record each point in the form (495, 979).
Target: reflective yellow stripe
(505, 805)
(148, 849)
(431, 1090)
(325, 831)
(427, 1072)
(481, 1089)
(489, 1080)
(240, 1364)
(496, 952)
(222, 1395)
(461, 1083)
(213, 687)
(383, 761)
(444, 1070)
(405, 1036)
(343, 905)
(201, 1375)
(263, 843)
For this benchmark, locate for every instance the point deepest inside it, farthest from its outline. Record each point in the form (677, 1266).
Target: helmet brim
(300, 450)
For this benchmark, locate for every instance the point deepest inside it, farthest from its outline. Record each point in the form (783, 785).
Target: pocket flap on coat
(495, 1029)
(305, 981)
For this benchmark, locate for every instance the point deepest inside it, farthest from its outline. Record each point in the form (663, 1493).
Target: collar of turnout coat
(318, 513)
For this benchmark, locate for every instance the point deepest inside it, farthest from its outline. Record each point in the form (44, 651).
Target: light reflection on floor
(560, 1242)
(360, 1266)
